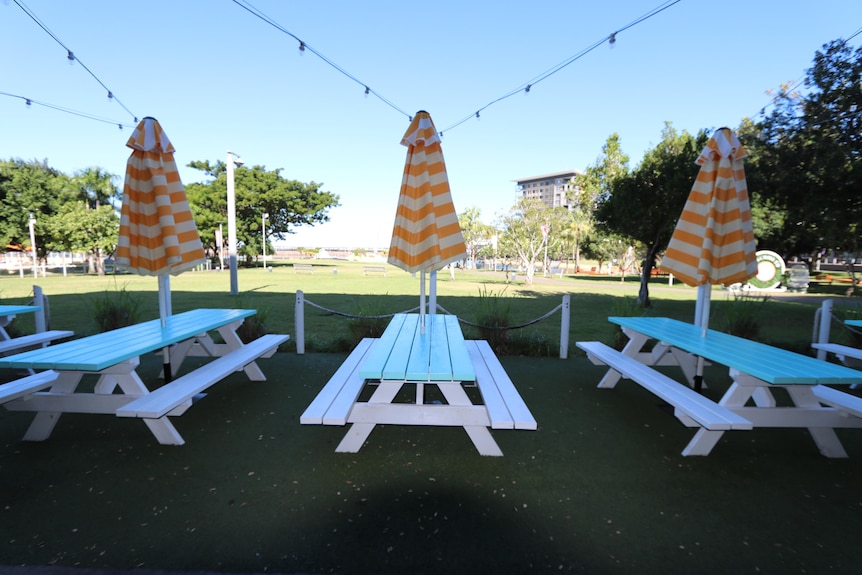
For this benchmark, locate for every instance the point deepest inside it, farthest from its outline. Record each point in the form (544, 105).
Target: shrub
(492, 319)
(254, 326)
(113, 309)
(741, 315)
(371, 321)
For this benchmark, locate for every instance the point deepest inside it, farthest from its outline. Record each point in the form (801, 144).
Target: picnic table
(114, 357)
(406, 357)
(756, 369)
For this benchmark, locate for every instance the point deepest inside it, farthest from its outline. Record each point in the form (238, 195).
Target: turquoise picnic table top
(102, 350)
(7, 310)
(765, 362)
(405, 353)
(854, 322)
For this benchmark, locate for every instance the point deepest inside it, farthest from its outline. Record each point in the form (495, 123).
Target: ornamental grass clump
(741, 315)
(114, 309)
(492, 319)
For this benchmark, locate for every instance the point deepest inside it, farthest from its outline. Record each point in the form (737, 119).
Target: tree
(522, 232)
(646, 203)
(474, 232)
(79, 228)
(96, 187)
(805, 156)
(289, 203)
(592, 187)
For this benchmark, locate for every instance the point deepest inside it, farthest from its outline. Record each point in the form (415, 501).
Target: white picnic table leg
(43, 423)
(632, 349)
(825, 437)
(702, 442)
(228, 334)
(480, 435)
(359, 431)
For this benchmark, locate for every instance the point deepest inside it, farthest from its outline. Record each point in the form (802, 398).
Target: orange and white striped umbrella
(158, 235)
(713, 242)
(426, 235)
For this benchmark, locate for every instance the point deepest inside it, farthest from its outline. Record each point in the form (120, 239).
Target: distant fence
(299, 320)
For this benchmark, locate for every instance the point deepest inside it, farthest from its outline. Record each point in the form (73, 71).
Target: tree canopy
(288, 203)
(806, 157)
(644, 204)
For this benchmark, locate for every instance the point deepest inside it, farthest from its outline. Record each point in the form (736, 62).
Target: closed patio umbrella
(426, 235)
(713, 242)
(158, 236)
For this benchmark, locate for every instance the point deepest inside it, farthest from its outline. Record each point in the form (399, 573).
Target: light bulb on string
(527, 89)
(367, 91)
(477, 115)
(70, 57)
(110, 96)
(301, 47)
(120, 126)
(612, 40)
(27, 102)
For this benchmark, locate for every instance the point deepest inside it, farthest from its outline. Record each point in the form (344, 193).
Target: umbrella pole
(432, 301)
(164, 312)
(422, 301)
(701, 319)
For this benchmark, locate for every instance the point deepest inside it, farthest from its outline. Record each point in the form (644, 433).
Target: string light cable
(611, 39)
(30, 101)
(72, 59)
(303, 46)
(525, 87)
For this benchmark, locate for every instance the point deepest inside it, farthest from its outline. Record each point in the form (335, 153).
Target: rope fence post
(41, 315)
(825, 325)
(564, 327)
(299, 322)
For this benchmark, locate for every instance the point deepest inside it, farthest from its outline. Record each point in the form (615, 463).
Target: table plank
(372, 367)
(767, 363)
(99, 351)
(462, 365)
(18, 309)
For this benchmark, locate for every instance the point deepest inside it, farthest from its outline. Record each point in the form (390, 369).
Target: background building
(555, 189)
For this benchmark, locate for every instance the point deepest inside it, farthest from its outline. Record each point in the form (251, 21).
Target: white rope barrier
(301, 302)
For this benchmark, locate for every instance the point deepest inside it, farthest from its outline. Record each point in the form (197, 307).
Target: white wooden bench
(374, 270)
(506, 407)
(842, 352)
(303, 268)
(333, 404)
(841, 401)
(27, 385)
(690, 407)
(175, 397)
(17, 344)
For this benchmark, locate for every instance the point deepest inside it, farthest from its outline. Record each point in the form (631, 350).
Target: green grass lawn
(599, 488)
(784, 323)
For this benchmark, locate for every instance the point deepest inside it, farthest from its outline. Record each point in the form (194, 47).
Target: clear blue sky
(218, 78)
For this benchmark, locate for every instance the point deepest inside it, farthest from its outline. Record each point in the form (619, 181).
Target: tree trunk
(643, 293)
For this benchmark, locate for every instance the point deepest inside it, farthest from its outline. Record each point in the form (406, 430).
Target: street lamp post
(263, 232)
(232, 161)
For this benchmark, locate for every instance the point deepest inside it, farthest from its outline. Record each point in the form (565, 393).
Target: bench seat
(374, 270)
(18, 343)
(180, 392)
(840, 351)
(840, 400)
(690, 407)
(506, 407)
(333, 404)
(27, 385)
